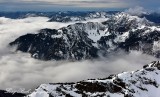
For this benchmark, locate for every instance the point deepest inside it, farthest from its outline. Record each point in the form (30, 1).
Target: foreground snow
(140, 83)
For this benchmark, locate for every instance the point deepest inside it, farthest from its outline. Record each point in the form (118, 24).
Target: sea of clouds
(19, 70)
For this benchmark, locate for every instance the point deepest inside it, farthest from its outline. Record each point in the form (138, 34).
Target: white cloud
(20, 70)
(76, 3)
(136, 11)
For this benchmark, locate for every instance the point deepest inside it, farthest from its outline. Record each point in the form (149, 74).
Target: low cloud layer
(19, 70)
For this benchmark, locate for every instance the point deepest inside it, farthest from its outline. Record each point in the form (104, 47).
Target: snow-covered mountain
(140, 83)
(93, 39)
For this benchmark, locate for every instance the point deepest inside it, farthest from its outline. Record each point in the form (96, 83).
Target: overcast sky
(71, 5)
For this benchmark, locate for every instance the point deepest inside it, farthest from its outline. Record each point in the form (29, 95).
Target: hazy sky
(65, 5)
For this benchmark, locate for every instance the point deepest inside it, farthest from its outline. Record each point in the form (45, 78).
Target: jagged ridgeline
(140, 83)
(93, 39)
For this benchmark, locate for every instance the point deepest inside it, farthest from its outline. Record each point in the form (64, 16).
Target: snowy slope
(141, 83)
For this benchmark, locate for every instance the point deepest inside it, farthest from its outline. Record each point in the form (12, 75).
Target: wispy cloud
(136, 11)
(74, 5)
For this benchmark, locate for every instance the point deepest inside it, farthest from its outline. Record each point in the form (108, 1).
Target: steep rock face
(140, 83)
(89, 40)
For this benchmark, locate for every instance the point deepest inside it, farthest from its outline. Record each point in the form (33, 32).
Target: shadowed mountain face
(89, 40)
(7, 94)
(53, 44)
(140, 83)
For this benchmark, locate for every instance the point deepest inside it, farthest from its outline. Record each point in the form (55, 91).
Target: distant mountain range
(57, 16)
(16, 15)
